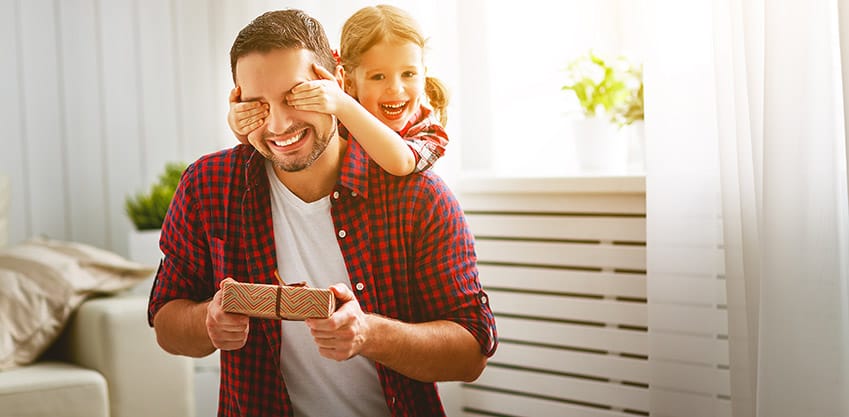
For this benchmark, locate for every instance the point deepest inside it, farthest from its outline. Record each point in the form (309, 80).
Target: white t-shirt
(307, 250)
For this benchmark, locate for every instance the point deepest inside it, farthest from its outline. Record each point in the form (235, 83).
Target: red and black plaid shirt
(423, 134)
(406, 240)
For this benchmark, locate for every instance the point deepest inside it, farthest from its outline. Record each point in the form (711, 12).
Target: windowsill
(583, 183)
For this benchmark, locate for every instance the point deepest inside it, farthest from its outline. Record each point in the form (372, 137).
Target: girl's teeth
(393, 109)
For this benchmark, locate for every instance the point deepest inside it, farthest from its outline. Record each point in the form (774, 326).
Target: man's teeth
(288, 142)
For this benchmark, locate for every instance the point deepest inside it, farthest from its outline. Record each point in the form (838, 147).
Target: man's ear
(345, 81)
(340, 76)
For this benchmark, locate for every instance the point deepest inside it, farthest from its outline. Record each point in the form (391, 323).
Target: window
(512, 56)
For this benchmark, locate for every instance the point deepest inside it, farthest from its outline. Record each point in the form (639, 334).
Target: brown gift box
(276, 301)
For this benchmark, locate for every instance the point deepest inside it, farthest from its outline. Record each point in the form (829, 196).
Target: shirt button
(483, 299)
(336, 195)
(343, 233)
(360, 286)
(353, 193)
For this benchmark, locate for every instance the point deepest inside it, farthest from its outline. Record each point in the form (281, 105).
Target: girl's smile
(389, 82)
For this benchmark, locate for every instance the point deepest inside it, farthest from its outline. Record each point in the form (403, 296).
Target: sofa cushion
(42, 282)
(53, 389)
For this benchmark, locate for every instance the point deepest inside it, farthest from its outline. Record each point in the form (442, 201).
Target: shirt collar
(255, 167)
(354, 172)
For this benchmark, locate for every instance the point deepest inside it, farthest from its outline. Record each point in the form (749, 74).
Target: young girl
(384, 109)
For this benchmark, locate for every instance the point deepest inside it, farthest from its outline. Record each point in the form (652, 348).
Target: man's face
(292, 139)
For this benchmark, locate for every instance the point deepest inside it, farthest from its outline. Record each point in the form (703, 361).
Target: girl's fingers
(323, 72)
(305, 87)
(235, 93)
(252, 111)
(299, 103)
(245, 129)
(248, 106)
(253, 120)
(253, 125)
(312, 93)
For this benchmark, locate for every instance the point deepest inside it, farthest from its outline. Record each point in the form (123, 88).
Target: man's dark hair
(283, 29)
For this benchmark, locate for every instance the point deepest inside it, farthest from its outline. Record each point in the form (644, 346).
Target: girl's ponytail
(437, 95)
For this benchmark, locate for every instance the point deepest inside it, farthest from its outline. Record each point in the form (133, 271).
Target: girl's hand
(244, 117)
(324, 95)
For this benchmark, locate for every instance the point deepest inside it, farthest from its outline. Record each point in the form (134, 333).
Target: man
(304, 203)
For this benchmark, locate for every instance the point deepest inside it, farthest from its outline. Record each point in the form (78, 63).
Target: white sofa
(107, 363)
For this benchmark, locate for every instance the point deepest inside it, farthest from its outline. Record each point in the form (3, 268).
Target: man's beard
(319, 146)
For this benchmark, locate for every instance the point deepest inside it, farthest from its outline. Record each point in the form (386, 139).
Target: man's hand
(227, 331)
(345, 332)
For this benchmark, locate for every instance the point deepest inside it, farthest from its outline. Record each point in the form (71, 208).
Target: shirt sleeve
(427, 139)
(184, 248)
(447, 264)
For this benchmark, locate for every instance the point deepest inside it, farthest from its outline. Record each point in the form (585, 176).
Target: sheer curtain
(748, 214)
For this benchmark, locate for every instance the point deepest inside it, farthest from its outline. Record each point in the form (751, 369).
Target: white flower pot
(600, 146)
(636, 136)
(144, 248)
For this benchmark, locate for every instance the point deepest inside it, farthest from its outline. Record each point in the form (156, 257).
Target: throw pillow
(42, 282)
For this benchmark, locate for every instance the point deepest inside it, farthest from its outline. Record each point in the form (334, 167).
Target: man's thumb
(342, 292)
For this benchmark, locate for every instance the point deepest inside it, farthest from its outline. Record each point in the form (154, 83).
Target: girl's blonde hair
(374, 24)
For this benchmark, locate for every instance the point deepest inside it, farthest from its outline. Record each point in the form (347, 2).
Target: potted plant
(147, 211)
(609, 93)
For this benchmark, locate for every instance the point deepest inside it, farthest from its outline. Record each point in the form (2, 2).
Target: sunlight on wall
(527, 49)
(503, 64)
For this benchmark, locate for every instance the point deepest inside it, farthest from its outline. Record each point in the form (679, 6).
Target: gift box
(276, 301)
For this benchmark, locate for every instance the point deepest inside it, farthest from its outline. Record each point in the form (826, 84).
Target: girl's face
(389, 82)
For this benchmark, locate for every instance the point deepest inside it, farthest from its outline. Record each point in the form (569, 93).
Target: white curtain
(748, 214)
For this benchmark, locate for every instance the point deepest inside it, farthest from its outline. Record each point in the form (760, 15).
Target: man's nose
(279, 119)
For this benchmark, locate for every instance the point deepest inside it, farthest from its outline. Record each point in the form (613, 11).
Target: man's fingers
(342, 292)
(232, 327)
(233, 333)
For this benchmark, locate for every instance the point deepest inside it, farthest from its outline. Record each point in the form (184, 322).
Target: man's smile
(289, 140)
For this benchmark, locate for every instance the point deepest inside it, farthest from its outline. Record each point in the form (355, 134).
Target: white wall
(98, 94)
(515, 115)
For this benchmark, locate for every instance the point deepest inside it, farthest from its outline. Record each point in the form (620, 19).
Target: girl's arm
(383, 144)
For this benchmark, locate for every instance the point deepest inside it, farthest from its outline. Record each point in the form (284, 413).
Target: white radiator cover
(564, 263)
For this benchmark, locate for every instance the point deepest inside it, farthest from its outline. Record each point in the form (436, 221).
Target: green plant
(147, 210)
(606, 88)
